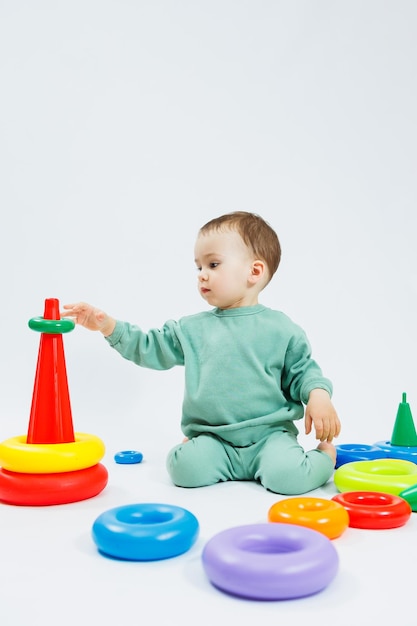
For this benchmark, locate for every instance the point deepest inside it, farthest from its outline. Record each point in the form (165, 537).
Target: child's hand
(321, 412)
(89, 317)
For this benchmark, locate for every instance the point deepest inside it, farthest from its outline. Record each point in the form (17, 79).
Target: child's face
(224, 270)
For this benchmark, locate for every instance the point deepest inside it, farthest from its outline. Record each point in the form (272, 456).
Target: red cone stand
(50, 423)
(50, 416)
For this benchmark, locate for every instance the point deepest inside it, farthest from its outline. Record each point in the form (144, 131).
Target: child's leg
(199, 462)
(282, 465)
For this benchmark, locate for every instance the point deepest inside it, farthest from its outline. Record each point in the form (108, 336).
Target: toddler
(249, 373)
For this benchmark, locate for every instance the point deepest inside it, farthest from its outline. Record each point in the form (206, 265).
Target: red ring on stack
(48, 489)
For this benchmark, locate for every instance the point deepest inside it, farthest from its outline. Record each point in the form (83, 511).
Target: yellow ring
(49, 458)
(382, 475)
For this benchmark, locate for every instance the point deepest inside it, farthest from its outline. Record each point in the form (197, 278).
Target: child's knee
(300, 477)
(282, 481)
(198, 462)
(186, 467)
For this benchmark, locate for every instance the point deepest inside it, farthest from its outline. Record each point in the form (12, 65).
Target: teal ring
(52, 327)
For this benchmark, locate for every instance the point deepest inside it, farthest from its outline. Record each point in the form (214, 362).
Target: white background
(124, 127)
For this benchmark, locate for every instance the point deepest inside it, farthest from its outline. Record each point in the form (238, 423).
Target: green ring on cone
(53, 327)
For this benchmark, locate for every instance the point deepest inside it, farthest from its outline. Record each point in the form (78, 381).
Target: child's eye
(213, 265)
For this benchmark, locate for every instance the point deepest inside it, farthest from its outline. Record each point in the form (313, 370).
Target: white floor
(125, 126)
(51, 571)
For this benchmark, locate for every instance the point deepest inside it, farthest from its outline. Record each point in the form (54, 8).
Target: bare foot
(329, 449)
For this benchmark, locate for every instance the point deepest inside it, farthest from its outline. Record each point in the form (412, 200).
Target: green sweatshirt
(248, 370)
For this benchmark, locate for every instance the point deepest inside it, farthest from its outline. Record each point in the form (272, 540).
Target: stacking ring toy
(347, 453)
(382, 475)
(128, 457)
(270, 561)
(52, 327)
(326, 516)
(145, 532)
(49, 489)
(408, 453)
(373, 510)
(37, 458)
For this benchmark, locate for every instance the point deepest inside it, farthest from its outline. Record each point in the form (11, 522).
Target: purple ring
(270, 561)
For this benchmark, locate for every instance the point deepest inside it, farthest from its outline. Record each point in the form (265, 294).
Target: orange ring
(326, 516)
(373, 509)
(48, 489)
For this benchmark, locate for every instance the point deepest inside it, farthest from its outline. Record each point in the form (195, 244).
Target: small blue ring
(128, 457)
(145, 532)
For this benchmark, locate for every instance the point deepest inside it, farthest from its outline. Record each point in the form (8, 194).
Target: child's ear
(258, 271)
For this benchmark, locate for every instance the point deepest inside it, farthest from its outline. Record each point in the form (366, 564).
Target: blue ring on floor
(145, 531)
(128, 457)
(349, 452)
(408, 453)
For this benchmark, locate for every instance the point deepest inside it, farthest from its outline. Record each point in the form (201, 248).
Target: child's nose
(202, 275)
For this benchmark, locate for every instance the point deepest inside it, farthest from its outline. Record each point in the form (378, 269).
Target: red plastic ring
(374, 509)
(48, 489)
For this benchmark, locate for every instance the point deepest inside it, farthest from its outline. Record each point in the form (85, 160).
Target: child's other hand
(88, 316)
(321, 412)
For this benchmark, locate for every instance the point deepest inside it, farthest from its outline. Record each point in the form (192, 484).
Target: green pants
(278, 462)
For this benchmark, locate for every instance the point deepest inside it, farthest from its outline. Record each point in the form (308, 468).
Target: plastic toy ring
(373, 510)
(270, 561)
(47, 458)
(53, 327)
(326, 516)
(50, 489)
(350, 452)
(382, 475)
(408, 453)
(145, 532)
(128, 457)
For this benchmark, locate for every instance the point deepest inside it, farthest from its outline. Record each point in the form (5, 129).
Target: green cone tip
(404, 432)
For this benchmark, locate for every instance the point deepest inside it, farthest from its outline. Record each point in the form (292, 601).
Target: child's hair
(257, 234)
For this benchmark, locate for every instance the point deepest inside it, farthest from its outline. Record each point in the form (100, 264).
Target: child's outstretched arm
(321, 412)
(88, 316)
